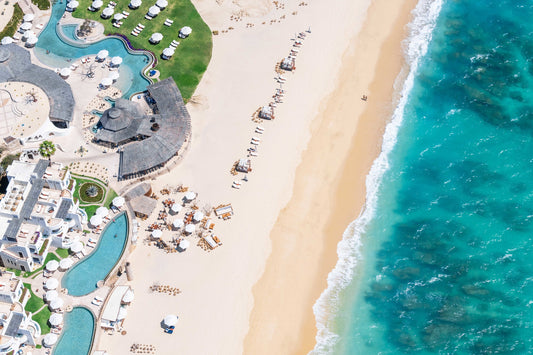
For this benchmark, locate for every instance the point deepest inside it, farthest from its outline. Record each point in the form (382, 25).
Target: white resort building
(37, 211)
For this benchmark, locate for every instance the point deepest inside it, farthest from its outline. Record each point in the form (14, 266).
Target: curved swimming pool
(84, 276)
(78, 335)
(53, 51)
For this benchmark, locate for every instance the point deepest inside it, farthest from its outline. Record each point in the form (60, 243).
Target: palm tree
(47, 149)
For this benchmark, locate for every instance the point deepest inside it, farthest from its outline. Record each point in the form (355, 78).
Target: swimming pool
(54, 51)
(78, 334)
(83, 277)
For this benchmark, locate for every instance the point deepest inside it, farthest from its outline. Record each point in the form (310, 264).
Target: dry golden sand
(329, 188)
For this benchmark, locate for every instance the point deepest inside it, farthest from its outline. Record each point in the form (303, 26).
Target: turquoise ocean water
(441, 259)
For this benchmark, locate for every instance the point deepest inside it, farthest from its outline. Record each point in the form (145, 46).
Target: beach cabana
(156, 38)
(76, 247)
(266, 113)
(51, 284)
(119, 200)
(198, 216)
(175, 209)
(153, 11)
(156, 234)
(28, 17)
(72, 5)
(161, 4)
(184, 244)
(106, 82)
(118, 17)
(116, 61)
(102, 55)
(288, 64)
(31, 41)
(50, 339)
(7, 40)
(55, 319)
(178, 223)
(190, 228)
(102, 211)
(52, 265)
(244, 165)
(51, 295)
(134, 4)
(170, 320)
(107, 13)
(96, 220)
(56, 304)
(168, 53)
(185, 32)
(65, 264)
(26, 26)
(128, 297)
(64, 73)
(96, 5)
(28, 34)
(189, 196)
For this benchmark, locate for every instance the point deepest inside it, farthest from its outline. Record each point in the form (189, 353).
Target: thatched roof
(143, 205)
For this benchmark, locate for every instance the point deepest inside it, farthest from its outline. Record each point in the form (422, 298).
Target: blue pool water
(440, 262)
(55, 52)
(78, 333)
(83, 277)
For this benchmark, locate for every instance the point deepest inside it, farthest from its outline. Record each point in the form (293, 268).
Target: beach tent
(97, 4)
(52, 265)
(96, 220)
(128, 296)
(31, 41)
(168, 52)
(170, 320)
(161, 4)
(184, 244)
(72, 5)
(28, 34)
(176, 208)
(51, 295)
(116, 61)
(178, 223)
(134, 4)
(26, 26)
(156, 37)
(118, 17)
(198, 216)
(7, 40)
(76, 247)
(56, 319)
(51, 284)
(106, 81)
(107, 12)
(190, 228)
(157, 233)
(122, 313)
(102, 54)
(119, 200)
(28, 17)
(185, 32)
(56, 304)
(189, 196)
(153, 11)
(49, 339)
(65, 264)
(64, 72)
(102, 211)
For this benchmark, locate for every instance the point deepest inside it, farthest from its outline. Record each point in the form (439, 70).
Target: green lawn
(63, 253)
(50, 256)
(42, 4)
(13, 23)
(110, 194)
(192, 55)
(85, 198)
(34, 303)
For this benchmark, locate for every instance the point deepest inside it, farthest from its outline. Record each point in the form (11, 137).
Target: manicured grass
(17, 272)
(108, 194)
(13, 24)
(42, 4)
(84, 197)
(111, 194)
(34, 303)
(90, 210)
(192, 55)
(50, 256)
(63, 253)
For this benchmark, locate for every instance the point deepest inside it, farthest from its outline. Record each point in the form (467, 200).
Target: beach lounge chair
(141, 25)
(147, 17)
(169, 331)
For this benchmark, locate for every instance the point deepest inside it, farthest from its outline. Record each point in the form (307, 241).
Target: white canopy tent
(52, 265)
(7, 40)
(198, 216)
(76, 247)
(161, 4)
(118, 17)
(26, 26)
(170, 320)
(154, 11)
(97, 4)
(190, 228)
(106, 81)
(184, 244)
(102, 211)
(118, 201)
(65, 264)
(189, 196)
(28, 17)
(156, 37)
(135, 3)
(51, 284)
(73, 5)
(178, 223)
(116, 61)
(51, 295)
(56, 304)
(107, 12)
(102, 54)
(50, 339)
(65, 72)
(96, 220)
(56, 319)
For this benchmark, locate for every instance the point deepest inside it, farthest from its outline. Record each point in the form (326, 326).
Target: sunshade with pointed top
(57, 303)
(119, 200)
(198, 216)
(7, 40)
(154, 10)
(168, 52)
(156, 37)
(170, 320)
(96, 220)
(157, 233)
(73, 4)
(176, 207)
(97, 4)
(116, 60)
(65, 264)
(106, 81)
(26, 26)
(190, 228)
(178, 223)
(108, 12)
(28, 34)
(51, 295)
(190, 196)
(135, 3)
(28, 17)
(51, 284)
(64, 72)
(56, 319)
(161, 3)
(118, 17)
(52, 265)
(186, 30)
(184, 244)
(76, 247)
(102, 211)
(49, 339)
(102, 54)
(32, 40)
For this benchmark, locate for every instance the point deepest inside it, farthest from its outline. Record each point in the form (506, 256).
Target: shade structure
(106, 81)
(96, 220)
(128, 296)
(118, 201)
(102, 54)
(178, 223)
(26, 26)
(28, 34)
(65, 264)
(51, 284)
(190, 228)
(102, 211)
(198, 216)
(118, 17)
(28, 17)
(135, 3)
(49, 339)
(7, 40)
(73, 4)
(107, 12)
(185, 31)
(161, 4)
(52, 265)
(97, 4)
(170, 320)
(190, 196)
(51, 295)
(116, 60)
(184, 244)
(56, 319)
(176, 208)
(157, 233)
(56, 304)
(64, 72)
(156, 37)
(32, 40)
(114, 76)
(154, 11)
(168, 52)
(122, 313)
(76, 247)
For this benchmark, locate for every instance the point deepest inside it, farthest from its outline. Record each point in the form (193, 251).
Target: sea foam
(327, 306)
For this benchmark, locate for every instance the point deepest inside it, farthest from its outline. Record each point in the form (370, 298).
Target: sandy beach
(301, 170)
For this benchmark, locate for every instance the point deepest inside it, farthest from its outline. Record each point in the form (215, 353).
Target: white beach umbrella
(168, 52)
(198, 216)
(157, 233)
(119, 200)
(7, 40)
(170, 320)
(51, 284)
(52, 265)
(64, 72)
(56, 319)
(51, 295)
(65, 264)
(190, 228)
(26, 26)
(176, 208)
(178, 223)
(28, 17)
(154, 11)
(114, 75)
(108, 12)
(156, 37)
(97, 4)
(102, 211)
(32, 40)
(190, 196)
(118, 17)
(73, 4)
(186, 30)
(76, 247)
(116, 60)
(128, 296)
(106, 81)
(161, 3)
(49, 339)
(184, 244)
(28, 34)
(135, 3)
(96, 220)
(102, 54)
(56, 304)
(122, 313)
